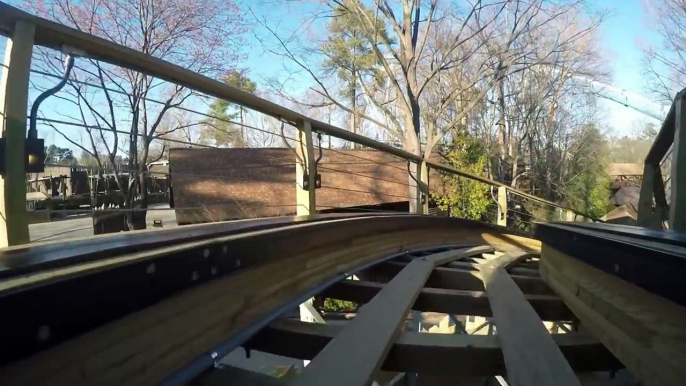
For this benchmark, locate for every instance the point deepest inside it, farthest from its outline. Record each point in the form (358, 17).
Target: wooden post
(569, 215)
(305, 171)
(645, 201)
(502, 206)
(422, 206)
(14, 93)
(677, 202)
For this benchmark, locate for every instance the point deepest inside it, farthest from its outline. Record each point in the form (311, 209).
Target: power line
(356, 209)
(77, 124)
(362, 175)
(370, 160)
(105, 210)
(362, 191)
(163, 103)
(172, 173)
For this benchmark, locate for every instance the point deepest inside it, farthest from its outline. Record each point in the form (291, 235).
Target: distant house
(58, 181)
(626, 183)
(226, 184)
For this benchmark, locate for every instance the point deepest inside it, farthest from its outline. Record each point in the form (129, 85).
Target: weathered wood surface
(646, 332)
(359, 350)
(454, 278)
(429, 354)
(531, 356)
(548, 307)
(145, 347)
(236, 376)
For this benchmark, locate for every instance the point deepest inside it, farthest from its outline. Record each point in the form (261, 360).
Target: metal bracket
(34, 155)
(306, 181)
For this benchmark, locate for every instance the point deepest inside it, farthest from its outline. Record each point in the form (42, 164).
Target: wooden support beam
(429, 354)
(423, 188)
(374, 328)
(14, 95)
(502, 206)
(153, 318)
(447, 301)
(531, 355)
(475, 267)
(305, 171)
(455, 279)
(236, 376)
(506, 261)
(645, 331)
(677, 202)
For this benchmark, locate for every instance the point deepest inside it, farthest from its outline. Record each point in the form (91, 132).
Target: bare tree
(665, 66)
(123, 108)
(444, 59)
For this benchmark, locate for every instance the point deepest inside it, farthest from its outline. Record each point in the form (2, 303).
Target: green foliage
(59, 155)
(588, 188)
(464, 197)
(216, 130)
(334, 305)
(349, 49)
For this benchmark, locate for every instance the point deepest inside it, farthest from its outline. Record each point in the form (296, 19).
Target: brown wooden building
(225, 184)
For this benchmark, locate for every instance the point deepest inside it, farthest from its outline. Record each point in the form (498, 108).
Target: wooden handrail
(57, 36)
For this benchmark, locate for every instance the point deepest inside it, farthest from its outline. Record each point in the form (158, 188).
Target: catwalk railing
(374, 176)
(662, 202)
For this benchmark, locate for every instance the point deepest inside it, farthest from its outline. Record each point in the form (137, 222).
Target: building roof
(625, 169)
(625, 214)
(626, 195)
(248, 183)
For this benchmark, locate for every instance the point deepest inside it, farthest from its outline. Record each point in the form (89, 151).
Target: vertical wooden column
(569, 215)
(14, 94)
(305, 171)
(502, 206)
(645, 201)
(677, 202)
(422, 206)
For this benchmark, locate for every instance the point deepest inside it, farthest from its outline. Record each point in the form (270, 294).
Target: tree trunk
(353, 116)
(532, 166)
(413, 146)
(502, 131)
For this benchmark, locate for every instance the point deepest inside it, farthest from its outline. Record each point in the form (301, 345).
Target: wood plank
(508, 260)
(645, 331)
(677, 201)
(427, 354)
(531, 356)
(375, 327)
(454, 278)
(548, 307)
(236, 376)
(146, 346)
(475, 267)
(14, 96)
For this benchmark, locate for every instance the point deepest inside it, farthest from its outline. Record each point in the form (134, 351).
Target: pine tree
(350, 56)
(217, 130)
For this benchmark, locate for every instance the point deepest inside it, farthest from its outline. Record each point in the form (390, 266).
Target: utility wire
(162, 103)
(365, 192)
(362, 175)
(236, 178)
(370, 160)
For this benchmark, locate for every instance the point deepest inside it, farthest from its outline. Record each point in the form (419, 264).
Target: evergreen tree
(217, 130)
(587, 189)
(350, 56)
(462, 197)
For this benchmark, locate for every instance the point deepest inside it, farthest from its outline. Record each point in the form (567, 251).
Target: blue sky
(622, 35)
